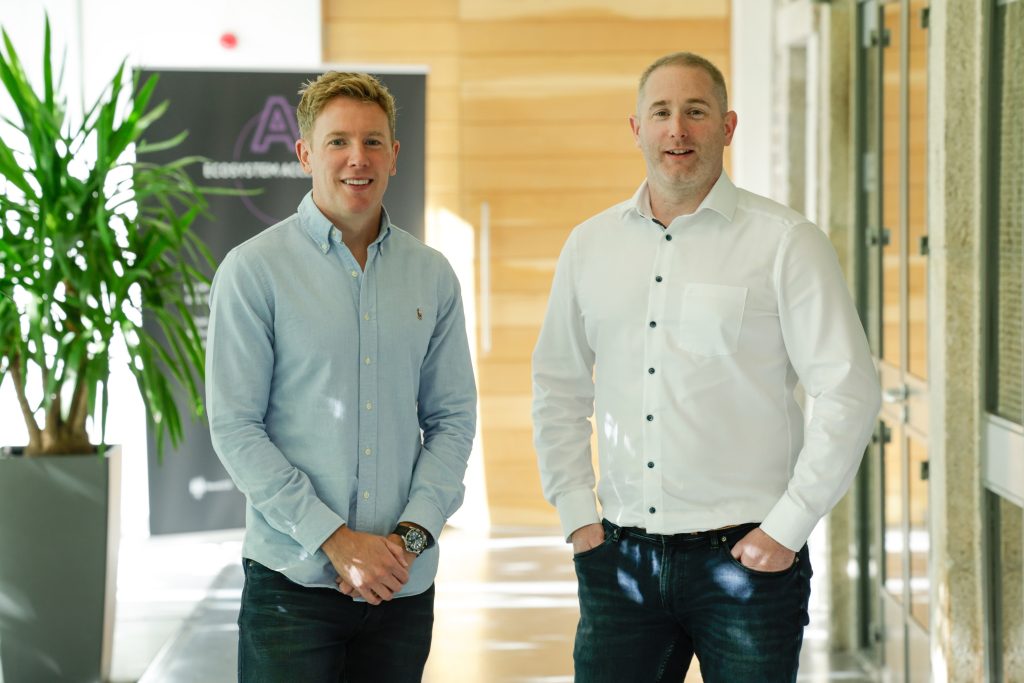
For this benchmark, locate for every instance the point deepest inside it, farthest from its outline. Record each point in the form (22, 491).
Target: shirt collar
(319, 229)
(722, 199)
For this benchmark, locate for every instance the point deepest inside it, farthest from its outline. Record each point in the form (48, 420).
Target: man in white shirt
(682, 319)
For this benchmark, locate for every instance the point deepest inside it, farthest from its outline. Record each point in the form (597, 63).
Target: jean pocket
(607, 542)
(756, 572)
(711, 318)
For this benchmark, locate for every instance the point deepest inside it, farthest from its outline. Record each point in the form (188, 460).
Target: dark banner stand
(243, 123)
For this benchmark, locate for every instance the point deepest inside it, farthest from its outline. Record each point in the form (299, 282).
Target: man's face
(682, 131)
(350, 155)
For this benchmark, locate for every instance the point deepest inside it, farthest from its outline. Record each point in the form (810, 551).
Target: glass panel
(1007, 156)
(1011, 591)
(891, 83)
(796, 179)
(920, 538)
(870, 89)
(893, 484)
(917, 229)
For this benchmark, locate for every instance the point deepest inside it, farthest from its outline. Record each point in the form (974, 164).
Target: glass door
(895, 539)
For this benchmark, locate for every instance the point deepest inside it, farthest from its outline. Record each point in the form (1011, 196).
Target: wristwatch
(415, 539)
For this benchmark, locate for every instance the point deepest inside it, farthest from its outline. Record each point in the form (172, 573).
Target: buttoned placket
(364, 283)
(654, 352)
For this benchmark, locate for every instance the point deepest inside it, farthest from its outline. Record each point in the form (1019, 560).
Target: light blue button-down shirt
(337, 394)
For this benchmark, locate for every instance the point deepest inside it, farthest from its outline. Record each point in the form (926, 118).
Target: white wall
(753, 53)
(98, 34)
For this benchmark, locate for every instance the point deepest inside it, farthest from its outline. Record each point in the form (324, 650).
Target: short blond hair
(688, 59)
(357, 86)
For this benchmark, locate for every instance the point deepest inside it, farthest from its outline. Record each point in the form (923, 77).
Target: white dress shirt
(686, 343)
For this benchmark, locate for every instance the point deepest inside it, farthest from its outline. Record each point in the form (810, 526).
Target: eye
(660, 113)
(373, 142)
(336, 142)
(697, 113)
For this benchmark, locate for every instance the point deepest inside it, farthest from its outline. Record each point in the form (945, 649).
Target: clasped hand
(373, 567)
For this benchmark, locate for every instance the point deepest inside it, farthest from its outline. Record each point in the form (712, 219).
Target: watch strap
(401, 526)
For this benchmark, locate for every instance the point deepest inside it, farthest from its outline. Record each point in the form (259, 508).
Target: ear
(730, 126)
(302, 152)
(394, 159)
(634, 125)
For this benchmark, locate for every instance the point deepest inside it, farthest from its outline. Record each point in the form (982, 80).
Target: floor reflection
(505, 612)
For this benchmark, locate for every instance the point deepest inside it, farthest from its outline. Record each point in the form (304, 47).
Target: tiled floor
(505, 612)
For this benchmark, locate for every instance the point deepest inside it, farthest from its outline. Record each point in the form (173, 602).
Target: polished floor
(505, 612)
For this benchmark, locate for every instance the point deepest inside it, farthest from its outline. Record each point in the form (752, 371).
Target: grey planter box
(59, 532)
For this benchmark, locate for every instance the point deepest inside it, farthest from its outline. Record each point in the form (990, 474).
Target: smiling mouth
(358, 182)
(679, 152)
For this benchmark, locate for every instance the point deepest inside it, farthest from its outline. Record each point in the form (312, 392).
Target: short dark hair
(689, 59)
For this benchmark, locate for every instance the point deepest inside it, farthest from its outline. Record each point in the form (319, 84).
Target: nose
(677, 127)
(357, 156)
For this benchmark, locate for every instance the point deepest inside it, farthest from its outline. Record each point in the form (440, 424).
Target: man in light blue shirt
(342, 402)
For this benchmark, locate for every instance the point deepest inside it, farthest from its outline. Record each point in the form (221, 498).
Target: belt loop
(613, 530)
(713, 535)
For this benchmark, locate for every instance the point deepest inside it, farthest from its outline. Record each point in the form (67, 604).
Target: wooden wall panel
(536, 71)
(562, 10)
(570, 173)
(527, 110)
(383, 12)
(505, 378)
(400, 39)
(607, 37)
(523, 275)
(582, 140)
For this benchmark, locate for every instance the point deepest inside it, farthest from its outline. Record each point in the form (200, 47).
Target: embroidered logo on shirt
(419, 314)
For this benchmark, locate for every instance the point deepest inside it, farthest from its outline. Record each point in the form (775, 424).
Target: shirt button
(323, 248)
(366, 496)
(650, 465)
(668, 237)
(366, 316)
(369, 405)
(650, 371)
(355, 273)
(368, 451)
(657, 278)
(654, 324)
(367, 360)
(652, 510)
(650, 418)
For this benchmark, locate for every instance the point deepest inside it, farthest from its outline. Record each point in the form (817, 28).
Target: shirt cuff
(789, 524)
(316, 527)
(424, 514)
(577, 509)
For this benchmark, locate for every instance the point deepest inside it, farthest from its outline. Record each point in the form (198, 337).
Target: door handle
(895, 394)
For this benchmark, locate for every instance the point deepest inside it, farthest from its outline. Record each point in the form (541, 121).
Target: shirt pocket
(711, 318)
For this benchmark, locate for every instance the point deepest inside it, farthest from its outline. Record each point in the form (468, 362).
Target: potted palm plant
(89, 234)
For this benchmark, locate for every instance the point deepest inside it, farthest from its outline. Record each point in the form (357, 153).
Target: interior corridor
(505, 612)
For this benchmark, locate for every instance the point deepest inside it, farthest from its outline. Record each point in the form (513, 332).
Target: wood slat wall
(527, 110)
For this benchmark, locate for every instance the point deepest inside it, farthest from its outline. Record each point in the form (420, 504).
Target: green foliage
(88, 235)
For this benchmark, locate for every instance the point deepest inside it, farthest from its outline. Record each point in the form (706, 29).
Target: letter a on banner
(277, 124)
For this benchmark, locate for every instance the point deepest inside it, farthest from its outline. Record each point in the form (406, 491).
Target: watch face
(415, 540)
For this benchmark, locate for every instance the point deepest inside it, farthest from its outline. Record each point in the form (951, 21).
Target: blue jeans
(287, 633)
(648, 603)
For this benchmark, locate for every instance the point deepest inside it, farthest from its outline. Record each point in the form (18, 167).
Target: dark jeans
(648, 603)
(287, 633)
